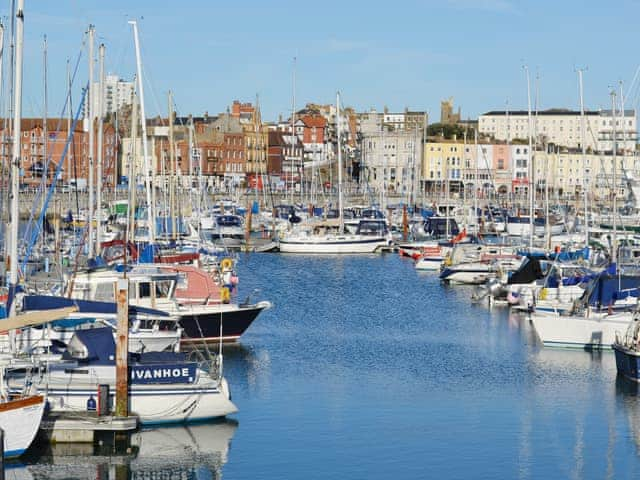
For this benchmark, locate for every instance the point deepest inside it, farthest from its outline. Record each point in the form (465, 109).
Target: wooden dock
(81, 427)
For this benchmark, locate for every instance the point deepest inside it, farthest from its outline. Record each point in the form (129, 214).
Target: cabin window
(163, 288)
(105, 292)
(144, 288)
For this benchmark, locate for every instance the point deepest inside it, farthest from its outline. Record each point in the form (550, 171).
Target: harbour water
(365, 368)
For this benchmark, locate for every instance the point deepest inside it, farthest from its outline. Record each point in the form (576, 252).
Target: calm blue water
(366, 369)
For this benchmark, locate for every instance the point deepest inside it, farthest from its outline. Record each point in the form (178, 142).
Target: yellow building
(443, 160)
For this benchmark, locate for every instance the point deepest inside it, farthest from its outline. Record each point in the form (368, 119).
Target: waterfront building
(391, 158)
(41, 154)
(563, 127)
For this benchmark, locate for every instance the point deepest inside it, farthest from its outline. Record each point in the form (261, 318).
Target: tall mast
(583, 136)
(133, 174)
(91, 142)
(339, 163)
(1, 53)
(15, 154)
(70, 113)
(100, 147)
(476, 159)
(3, 139)
(172, 167)
(151, 213)
(614, 244)
(530, 160)
(293, 121)
(510, 157)
(44, 124)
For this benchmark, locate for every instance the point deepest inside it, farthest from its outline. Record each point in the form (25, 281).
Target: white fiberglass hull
(593, 332)
(20, 421)
(429, 263)
(524, 293)
(330, 244)
(202, 400)
(473, 273)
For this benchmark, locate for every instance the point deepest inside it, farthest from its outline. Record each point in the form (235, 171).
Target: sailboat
(164, 387)
(330, 237)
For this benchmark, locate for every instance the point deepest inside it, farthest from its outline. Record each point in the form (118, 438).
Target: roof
(312, 121)
(53, 124)
(556, 112)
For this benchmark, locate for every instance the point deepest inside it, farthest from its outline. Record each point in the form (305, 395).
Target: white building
(117, 94)
(391, 159)
(564, 128)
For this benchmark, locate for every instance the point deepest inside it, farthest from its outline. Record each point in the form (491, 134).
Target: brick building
(75, 164)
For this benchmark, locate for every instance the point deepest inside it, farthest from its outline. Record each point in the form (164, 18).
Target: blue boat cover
(101, 347)
(49, 302)
(609, 288)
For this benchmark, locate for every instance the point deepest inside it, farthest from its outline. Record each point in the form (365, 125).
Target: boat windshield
(370, 227)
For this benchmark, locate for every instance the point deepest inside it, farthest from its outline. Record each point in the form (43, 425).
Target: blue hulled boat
(627, 350)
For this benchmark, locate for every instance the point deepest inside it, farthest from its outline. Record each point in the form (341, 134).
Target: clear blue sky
(395, 53)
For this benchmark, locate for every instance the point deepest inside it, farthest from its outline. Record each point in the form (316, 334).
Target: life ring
(226, 264)
(225, 295)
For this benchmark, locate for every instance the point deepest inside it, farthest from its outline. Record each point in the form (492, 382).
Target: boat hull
(200, 325)
(152, 403)
(593, 333)
(627, 362)
(20, 421)
(335, 245)
(472, 274)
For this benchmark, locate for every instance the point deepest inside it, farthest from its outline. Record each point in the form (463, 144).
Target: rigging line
(40, 190)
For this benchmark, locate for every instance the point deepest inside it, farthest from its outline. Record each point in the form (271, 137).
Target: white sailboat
(164, 387)
(331, 238)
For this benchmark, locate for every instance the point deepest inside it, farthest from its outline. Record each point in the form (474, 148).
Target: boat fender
(225, 295)
(543, 294)
(91, 404)
(226, 264)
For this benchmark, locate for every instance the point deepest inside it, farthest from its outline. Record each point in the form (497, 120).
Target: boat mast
(133, 174)
(151, 214)
(45, 134)
(293, 120)
(614, 243)
(90, 98)
(100, 147)
(339, 163)
(15, 164)
(69, 156)
(530, 159)
(173, 170)
(584, 161)
(475, 185)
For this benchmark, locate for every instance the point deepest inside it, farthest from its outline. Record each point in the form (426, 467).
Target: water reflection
(177, 452)
(627, 392)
